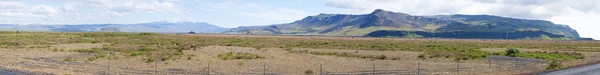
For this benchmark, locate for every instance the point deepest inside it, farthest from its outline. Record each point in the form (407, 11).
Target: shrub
(381, 57)
(239, 55)
(554, 64)
(422, 56)
(512, 52)
(308, 72)
(9, 43)
(147, 33)
(135, 54)
(68, 59)
(241, 63)
(149, 60)
(91, 59)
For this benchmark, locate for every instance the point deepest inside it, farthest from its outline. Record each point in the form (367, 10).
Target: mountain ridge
(378, 20)
(157, 26)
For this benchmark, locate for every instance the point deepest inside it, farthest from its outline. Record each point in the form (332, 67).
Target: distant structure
(191, 32)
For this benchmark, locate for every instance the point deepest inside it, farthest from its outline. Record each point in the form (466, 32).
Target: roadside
(584, 70)
(5, 71)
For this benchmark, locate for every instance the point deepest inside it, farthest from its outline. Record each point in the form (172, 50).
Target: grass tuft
(239, 55)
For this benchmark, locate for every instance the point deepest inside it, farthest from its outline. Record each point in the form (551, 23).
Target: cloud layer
(72, 11)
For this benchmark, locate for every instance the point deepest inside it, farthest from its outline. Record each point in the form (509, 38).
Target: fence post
(490, 64)
(108, 55)
(156, 67)
(264, 69)
(208, 69)
(517, 64)
(517, 68)
(419, 68)
(458, 66)
(373, 68)
(70, 61)
(321, 70)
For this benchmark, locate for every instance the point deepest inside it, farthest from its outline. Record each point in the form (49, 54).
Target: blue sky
(581, 15)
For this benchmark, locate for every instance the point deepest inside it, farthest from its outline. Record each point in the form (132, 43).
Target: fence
(493, 66)
(490, 65)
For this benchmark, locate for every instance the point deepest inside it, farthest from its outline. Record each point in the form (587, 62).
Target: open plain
(92, 53)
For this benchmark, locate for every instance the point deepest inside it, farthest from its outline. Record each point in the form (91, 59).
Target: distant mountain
(110, 29)
(159, 26)
(382, 23)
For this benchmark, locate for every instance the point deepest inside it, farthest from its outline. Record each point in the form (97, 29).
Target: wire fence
(490, 65)
(493, 66)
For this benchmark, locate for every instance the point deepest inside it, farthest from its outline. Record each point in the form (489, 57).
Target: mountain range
(382, 23)
(379, 23)
(159, 26)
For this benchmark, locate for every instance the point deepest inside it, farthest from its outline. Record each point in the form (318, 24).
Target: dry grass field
(177, 54)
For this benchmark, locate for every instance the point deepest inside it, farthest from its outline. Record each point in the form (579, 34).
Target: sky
(580, 15)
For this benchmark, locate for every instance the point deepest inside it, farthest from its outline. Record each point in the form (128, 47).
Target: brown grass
(282, 54)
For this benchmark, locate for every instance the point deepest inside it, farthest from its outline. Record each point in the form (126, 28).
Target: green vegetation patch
(114, 34)
(551, 56)
(98, 53)
(238, 55)
(412, 35)
(345, 54)
(555, 65)
(456, 53)
(9, 43)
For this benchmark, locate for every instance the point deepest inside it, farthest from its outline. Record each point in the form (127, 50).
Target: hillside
(382, 23)
(160, 26)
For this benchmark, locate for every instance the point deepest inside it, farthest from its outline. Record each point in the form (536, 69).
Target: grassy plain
(135, 53)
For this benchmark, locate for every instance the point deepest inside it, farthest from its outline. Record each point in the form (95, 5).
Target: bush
(135, 54)
(241, 63)
(308, 72)
(381, 57)
(512, 52)
(149, 60)
(554, 64)
(147, 33)
(68, 59)
(422, 56)
(239, 55)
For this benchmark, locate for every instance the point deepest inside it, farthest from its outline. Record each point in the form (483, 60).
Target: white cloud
(570, 12)
(17, 12)
(130, 6)
(43, 9)
(253, 9)
(80, 11)
(11, 5)
(586, 23)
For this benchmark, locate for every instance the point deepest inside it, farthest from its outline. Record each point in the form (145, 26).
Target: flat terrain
(149, 53)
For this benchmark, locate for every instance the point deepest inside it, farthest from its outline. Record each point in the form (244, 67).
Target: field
(91, 53)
